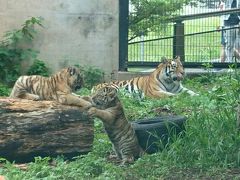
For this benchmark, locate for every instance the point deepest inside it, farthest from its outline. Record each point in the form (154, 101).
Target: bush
(11, 52)
(38, 68)
(92, 75)
(4, 90)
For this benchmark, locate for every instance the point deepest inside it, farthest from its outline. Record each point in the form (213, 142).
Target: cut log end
(42, 128)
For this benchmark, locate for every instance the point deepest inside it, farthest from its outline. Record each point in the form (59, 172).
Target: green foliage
(92, 75)
(11, 52)
(4, 91)
(38, 68)
(147, 16)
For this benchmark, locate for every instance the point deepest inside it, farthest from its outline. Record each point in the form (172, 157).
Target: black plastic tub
(154, 133)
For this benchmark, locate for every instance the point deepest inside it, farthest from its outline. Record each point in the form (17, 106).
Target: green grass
(210, 148)
(198, 48)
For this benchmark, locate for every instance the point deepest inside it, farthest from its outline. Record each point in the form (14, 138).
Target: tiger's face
(105, 97)
(173, 69)
(74, 78)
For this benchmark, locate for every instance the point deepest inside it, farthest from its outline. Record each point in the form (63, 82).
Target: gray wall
(81, 32)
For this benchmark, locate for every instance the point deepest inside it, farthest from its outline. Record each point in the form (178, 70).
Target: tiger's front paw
(127, 160)
(194, 94)
(87, 98)
(34, 97)
(85, 106)
(191, 93)
(91, 112)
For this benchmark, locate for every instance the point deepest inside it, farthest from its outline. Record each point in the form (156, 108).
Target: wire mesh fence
(202, 40)
(202, 37)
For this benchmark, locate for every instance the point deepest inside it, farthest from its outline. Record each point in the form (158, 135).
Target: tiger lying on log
(58, 87)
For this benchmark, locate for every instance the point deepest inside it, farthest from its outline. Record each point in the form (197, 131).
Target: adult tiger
(164, 81)
(120, 132)
(58, 87)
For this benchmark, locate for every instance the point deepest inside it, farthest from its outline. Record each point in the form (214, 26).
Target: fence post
(142, 48)
(178, 40)
(123, 34)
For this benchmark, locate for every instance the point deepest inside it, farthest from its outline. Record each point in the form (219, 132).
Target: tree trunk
(42, 128)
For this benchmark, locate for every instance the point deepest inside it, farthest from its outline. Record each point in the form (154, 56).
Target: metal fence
(194, 35)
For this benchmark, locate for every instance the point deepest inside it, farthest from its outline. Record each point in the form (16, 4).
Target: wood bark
(42, 128)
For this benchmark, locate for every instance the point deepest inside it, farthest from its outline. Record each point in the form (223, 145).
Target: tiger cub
(58, 87)
(120, 132)
(164, 81)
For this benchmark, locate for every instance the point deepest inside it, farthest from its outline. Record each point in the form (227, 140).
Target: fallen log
(42, 128)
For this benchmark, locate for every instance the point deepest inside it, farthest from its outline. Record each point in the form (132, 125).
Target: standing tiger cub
(120, 132)
(164, 81)
(58, 87)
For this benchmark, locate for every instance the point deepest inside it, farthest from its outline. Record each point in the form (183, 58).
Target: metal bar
(149, 40)
(185, 64)
(211, 31)
(178, 40)
(204, 15)
(190, 34)
(123, 34)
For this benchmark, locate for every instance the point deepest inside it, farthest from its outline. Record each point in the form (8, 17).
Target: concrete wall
(81, 32)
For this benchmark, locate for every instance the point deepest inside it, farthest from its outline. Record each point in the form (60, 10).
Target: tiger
(107, 107)
(58, 87)
(164, 81)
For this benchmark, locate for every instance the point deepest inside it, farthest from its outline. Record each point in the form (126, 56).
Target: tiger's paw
(85, 106)
(34, 97)
(191, 93)
(91, 112)
(37, 99)
(113, 156)
(128, 160)
(194, 94)
(87, 98)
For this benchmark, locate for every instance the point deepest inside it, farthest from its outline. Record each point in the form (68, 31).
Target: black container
(154, 133)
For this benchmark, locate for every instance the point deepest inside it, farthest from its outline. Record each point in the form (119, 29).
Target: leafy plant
(147, 16)
(38, 68)
(12, 53)
(92, 75)
(4, 91)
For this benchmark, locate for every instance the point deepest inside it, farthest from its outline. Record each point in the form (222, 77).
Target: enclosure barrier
(178, 43)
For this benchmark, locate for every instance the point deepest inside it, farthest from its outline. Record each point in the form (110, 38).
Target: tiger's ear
(110, 88)
(178, 61)
(112, 91)
(164, 59)
(71, 71)
(177, 58)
